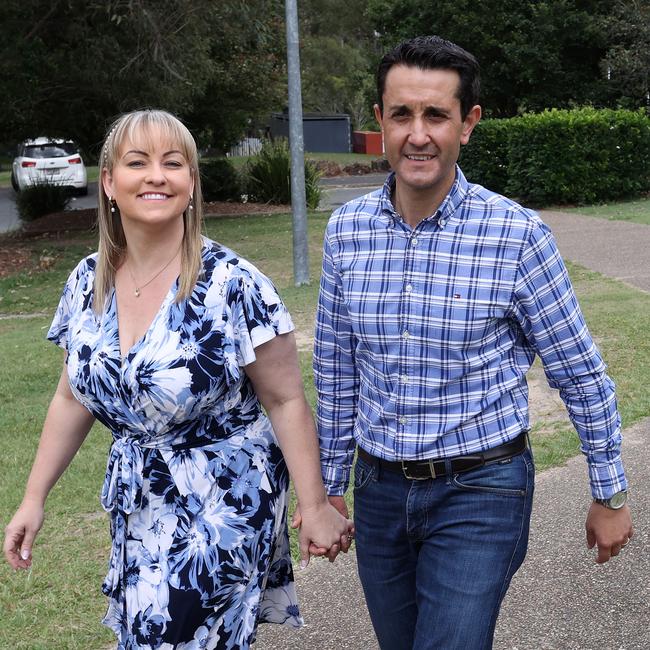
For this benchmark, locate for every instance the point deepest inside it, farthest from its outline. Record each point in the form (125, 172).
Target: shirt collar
(446, 209)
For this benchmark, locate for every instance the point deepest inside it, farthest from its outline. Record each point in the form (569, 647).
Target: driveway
(9, 214)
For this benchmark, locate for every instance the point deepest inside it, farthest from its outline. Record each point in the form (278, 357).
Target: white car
(49, 160)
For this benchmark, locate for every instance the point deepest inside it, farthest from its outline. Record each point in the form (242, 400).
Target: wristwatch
(615, 502)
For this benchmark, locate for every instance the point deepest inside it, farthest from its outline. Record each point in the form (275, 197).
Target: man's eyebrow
(430, 111)
(435, 111)
(399, 108)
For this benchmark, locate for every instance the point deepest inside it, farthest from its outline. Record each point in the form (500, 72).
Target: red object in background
(367, 142)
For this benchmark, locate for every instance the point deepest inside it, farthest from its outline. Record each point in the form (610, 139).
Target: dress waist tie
(121, 495)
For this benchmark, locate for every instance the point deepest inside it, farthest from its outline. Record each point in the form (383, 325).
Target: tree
(248, 75)
(337, 59)
(627, 63)
(533, 55)
(70, 66)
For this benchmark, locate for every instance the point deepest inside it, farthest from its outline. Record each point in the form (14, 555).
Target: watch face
(618, 500)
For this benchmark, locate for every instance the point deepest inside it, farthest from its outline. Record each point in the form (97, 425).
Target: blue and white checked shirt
(424, 335)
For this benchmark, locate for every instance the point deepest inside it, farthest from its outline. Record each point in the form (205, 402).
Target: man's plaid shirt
(424, 335)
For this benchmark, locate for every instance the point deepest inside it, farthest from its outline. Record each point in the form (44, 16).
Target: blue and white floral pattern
(196, 485)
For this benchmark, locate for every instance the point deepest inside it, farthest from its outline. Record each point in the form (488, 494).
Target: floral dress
(196, 485)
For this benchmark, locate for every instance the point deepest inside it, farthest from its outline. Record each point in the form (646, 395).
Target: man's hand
(346, 540)
(610, 530)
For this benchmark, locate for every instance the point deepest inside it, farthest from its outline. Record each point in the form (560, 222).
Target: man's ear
(471, 120)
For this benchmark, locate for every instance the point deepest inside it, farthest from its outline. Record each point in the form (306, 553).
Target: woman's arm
(278, 384)
(65, 428)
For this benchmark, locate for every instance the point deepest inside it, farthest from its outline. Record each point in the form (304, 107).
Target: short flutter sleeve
(77, 295)
(257, 311)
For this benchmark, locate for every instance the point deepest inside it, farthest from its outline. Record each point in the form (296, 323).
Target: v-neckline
(163, 305)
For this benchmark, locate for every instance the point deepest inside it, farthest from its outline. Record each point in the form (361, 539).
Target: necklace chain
(138, 289)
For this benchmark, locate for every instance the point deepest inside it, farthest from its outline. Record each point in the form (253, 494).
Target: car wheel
(14, 183)
(82, 191)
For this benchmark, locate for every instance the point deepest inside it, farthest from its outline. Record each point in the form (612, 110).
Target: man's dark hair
(431, 53)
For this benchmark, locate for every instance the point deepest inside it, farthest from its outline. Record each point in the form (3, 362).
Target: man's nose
(418, 136)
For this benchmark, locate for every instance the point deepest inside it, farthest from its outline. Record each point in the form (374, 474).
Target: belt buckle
(432, 471)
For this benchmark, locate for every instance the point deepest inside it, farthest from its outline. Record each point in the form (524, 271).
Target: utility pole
(297, 148)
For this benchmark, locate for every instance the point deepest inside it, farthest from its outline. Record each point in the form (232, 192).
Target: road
(9, 219)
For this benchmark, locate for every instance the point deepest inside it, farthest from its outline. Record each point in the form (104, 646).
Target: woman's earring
(190, 206)
(113, 204)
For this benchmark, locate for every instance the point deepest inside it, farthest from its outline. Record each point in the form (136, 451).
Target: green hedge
(485, 159)
(560, 156)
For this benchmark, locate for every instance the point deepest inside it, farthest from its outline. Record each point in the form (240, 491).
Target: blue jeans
(436, 556)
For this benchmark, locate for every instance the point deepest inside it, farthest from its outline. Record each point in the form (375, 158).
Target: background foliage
(560, 156)
(68, 67)
(269, 176)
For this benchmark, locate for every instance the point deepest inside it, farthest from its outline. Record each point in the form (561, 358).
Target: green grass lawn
(637, 211)
(58, 604)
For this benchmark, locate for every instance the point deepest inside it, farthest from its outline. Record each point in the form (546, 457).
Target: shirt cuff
(336, 479)
(607, 477)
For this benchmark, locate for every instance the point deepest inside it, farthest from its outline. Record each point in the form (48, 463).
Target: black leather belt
(425, 469)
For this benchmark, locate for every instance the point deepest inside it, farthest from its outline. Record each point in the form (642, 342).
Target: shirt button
(403, 420)
(404, 379)
(414, 241)
(405, 334)
(408, 288)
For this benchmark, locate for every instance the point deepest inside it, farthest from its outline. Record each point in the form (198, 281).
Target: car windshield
(50, 150)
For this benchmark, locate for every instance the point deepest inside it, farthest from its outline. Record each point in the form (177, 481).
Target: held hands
(609, 530)
(325, 530)
(20, 534)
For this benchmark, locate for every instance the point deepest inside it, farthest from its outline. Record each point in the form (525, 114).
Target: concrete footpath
(560, 599)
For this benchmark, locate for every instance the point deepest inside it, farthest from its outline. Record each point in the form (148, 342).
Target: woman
(175, 344)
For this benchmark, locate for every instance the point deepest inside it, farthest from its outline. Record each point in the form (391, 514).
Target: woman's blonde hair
(112, 242)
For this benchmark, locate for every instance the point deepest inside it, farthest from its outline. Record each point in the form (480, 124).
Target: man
(435, 297)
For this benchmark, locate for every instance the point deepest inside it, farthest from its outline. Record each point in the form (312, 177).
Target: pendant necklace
(138, 289)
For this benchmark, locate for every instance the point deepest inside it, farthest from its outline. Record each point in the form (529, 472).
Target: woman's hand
(323, 531)
(20, 534)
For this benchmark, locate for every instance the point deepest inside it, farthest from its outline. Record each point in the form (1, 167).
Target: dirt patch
(14, 259)
(15, 256)
(79, 220)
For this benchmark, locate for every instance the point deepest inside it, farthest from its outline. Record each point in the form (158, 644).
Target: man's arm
(336, 379)
(548, 313)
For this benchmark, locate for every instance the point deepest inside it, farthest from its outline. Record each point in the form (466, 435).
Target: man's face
(423, 129)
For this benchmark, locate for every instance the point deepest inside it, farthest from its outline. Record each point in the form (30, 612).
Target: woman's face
(151, 180)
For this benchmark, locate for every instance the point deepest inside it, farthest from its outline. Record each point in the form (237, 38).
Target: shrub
(269, 176)
(562, 156)
(220, 180)
(579, 156)
(484, 160)
(40, 199)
